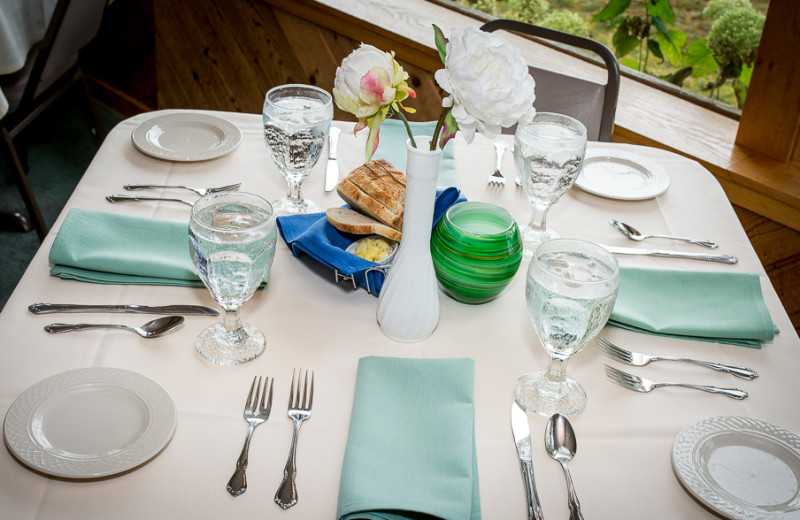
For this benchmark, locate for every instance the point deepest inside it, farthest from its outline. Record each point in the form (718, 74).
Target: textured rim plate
(186, 137)
(90, 422)
(740, 467)
(621, 175)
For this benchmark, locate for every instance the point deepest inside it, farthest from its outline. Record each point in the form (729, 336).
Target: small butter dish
(374, 248)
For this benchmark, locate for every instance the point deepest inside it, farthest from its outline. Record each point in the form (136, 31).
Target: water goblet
(232, 239)
(297, 119)
(570, 290)
(548, 154)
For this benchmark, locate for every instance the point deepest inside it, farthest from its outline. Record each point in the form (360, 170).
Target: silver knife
(189, 310)
(724, 259)
(332, 171)
(522, 438)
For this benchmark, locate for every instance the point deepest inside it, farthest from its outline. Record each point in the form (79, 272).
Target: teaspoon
(151, 329)
(561, 445)
(634, 234)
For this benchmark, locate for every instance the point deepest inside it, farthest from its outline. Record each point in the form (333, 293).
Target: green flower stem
(438, 129)
(408, 127)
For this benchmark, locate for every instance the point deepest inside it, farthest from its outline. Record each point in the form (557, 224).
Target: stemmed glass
(232, 239)
(297, 119)
(570, 291)
(548, 154)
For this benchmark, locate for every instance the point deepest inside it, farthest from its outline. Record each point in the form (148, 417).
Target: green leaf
(746, 75)
(441, 42)
(655, 49)
(612, 10)
(673, 51)
(449, 129)
(630, 63)
(662, 29)
(661, 9)
(679, 76)
(624, 43)
(700, 58)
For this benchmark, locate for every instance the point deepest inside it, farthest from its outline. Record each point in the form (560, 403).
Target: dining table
(313, 320)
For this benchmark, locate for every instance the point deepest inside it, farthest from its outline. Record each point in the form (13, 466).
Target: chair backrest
(73, 25)
(594, 104)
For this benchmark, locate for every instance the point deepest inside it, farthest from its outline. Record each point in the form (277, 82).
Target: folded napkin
(392, 147)
(313, 235)
(411, 445)
(100, 247)
(705, 306)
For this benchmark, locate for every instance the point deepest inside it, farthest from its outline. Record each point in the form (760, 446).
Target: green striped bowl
(476, 250)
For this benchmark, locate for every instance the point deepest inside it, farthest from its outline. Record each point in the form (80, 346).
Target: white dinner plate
(186, 136)
(621, 175)
(740, 467)
(90, 422)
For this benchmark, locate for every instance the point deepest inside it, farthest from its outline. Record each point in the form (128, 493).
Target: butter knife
(189, 310)
(332, 171)
(522, 438)
(724, 259)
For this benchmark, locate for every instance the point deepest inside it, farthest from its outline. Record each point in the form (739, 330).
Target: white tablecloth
(622, 469)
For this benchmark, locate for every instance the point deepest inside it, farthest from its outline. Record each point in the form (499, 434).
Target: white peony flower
(488, 81)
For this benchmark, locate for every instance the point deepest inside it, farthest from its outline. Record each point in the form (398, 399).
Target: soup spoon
(151, 329)
(634, 234)
(561, 445)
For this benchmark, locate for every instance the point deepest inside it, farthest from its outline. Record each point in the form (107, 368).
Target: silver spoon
(561, 445)
(634, 234)
(151, 329)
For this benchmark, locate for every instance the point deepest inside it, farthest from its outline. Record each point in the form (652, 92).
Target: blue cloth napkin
(313, 235)
(719, 307)
(411, 445)
(392, 147)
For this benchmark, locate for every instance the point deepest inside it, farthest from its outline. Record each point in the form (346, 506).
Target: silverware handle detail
(47, 308)
(742, 372)
(724, 259)
(126, 198)
(238, 481)
(58, 328)
(499, 150)
(574, 504)
(733, 393)
(286, 496)
(147, 186)
(333, 141)
(534, 506)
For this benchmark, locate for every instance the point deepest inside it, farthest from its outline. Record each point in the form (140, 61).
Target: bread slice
(377, 189)
(351, 221)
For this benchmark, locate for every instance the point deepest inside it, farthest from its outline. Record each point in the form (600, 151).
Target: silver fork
(641, 384)
(299, 411)
(499, 150)
(200, 191)
(256, 411)
(131, 198)
(640, 360)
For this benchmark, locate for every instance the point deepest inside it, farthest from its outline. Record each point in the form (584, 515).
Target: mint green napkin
(707, 306)
(411, 445)
(392, 147)
(100, 247)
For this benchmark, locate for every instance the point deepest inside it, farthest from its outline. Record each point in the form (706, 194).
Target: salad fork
(640, 384)
(200, 191)
(299, 411)
(639, 360)
(499, 150)
(256, 411)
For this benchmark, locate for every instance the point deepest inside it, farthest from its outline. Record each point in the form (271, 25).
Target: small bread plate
(740, 467)
(621, 175)
(90, 423)
(186, 137)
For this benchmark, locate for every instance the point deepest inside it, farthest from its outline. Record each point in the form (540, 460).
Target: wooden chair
(594, 104)
(50, 70)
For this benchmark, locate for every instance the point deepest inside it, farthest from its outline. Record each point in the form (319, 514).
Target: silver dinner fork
(200, 191)
(256, 411)
(299, 411)
(131, 198)
(497, 177)
(640, 384)
(639, 360)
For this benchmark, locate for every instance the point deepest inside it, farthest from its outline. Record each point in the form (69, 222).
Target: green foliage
(735, 35)
(566, 21)
(531, 11)
(717, 8)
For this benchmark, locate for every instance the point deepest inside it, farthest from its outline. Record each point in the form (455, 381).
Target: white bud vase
(408, 308)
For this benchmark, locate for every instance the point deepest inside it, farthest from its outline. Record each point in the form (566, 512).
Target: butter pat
(373, 249)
